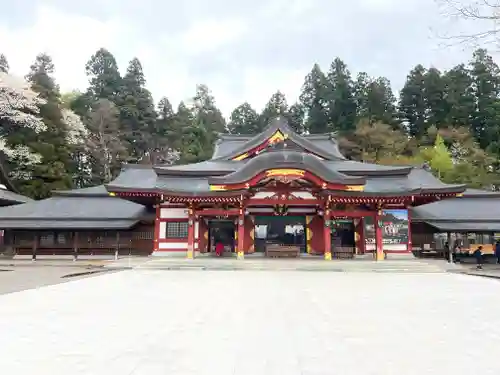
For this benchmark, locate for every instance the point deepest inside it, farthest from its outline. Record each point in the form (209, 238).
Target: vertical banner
(394, 230)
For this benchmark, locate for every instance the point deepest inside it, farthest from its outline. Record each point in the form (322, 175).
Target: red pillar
(190, 244)
(409, 247)
(361, 234)
(157, 229)
(379, 249)
(327, 235)
(241, 235)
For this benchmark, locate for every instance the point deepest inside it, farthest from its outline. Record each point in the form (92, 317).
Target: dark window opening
(176, 229)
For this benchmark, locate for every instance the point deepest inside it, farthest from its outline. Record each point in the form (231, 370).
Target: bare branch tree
(482, 17)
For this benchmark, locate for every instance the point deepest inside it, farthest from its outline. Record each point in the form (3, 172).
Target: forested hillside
(54, 140)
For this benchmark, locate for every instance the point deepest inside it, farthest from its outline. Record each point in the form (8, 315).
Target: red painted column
(361, 233)
(241, 235)
(157, 229)
(327, 235)
(190, 244)
(379, 244)
(409, 247)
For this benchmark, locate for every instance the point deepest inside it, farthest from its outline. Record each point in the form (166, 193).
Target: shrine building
(277, 193)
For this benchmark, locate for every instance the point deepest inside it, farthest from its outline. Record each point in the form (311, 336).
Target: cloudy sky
(242, 49)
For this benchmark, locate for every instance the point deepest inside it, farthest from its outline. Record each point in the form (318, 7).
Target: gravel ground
(253, 322)
(15, 279)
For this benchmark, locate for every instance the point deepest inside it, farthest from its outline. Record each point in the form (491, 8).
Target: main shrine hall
(280, 193)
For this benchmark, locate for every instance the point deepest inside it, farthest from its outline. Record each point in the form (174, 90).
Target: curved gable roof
(320, 145)
(285, 159)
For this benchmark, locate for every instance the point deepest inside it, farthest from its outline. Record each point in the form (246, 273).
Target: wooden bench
(282, 251)
(343, 253)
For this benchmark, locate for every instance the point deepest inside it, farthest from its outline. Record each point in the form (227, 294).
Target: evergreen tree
(434, 97)
(54, 171)
(296, 117)
(4, 65)
(137, 113)
(412, 103)
(314, 102)
(375, 100)
(195, 140)
(341, 101)
(244, 120)
(206, 111)
(165, 133)
(486, 84)
(167, 137)
(460, 100)
(104, 76)
(275, 107)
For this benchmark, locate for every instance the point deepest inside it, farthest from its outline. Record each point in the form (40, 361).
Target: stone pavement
(187, 322)
(285, 264)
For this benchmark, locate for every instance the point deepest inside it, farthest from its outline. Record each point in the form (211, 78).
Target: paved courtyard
(253, 322)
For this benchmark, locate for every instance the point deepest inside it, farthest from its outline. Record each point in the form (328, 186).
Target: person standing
(219, 248)
(478, 254)
(497, 251)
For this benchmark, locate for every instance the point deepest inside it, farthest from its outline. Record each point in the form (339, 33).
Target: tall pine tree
(375, 100)
(459, 96)
(412, 103)
(341, 102)
(434, 97)
(313, 98)
(244, 120)
(104, 76)
(275, 107)
(137, 112)
(52, 173)
(486, 83)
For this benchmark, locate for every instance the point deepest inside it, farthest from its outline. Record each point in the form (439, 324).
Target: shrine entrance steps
(285, 264)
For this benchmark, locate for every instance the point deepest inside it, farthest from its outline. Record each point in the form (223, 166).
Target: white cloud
(206, 36)
(241, 55)
(69, 39)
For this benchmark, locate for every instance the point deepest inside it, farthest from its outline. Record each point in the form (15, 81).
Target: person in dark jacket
(478, 254)
(497, 251)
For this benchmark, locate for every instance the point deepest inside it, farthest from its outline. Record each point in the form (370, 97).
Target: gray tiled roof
(285, 159)
(465, 209)
(138, 177)
(74, 211)
(469, 226)
(67, 224)
(228, 147)
(9, 197)
(379, 178)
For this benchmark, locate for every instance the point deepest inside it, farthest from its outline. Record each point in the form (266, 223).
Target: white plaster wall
(172, 245)
(174, 213)
(163, 230)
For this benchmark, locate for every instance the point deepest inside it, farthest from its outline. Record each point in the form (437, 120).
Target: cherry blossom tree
(19, 124)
